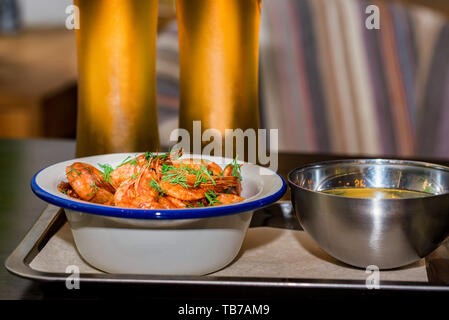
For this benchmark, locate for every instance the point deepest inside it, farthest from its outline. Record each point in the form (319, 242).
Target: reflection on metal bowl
(388, 233)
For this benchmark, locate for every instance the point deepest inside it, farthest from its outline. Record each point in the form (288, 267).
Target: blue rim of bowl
(150, 214)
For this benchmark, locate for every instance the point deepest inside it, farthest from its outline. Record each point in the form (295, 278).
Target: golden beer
(116, 45)
(219, 56)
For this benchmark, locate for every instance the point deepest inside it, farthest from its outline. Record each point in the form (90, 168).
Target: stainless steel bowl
(388, 233)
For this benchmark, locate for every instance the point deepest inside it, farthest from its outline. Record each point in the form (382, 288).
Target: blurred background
(327, 83)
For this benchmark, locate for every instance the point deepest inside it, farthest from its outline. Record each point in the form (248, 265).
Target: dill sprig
(195, 205)
(211, 197)
(88, 169)
(204, 169)
(94, 187)
(178, 154)
(135, 175)
(163, 156)
(236, 169)
(124, 161)
(199, 178)
(74, 170)
(165, 168)
(107, 170)
(134, 161)
(174, 175)
(156, 186)
(149, 156)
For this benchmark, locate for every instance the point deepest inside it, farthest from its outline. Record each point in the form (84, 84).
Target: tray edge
(16, 265)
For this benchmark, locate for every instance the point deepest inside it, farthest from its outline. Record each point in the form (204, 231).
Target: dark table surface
(19, 209)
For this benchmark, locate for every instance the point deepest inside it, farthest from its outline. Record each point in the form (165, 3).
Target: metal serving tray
(278, 215)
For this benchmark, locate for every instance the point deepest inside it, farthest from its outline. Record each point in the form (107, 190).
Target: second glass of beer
(219, 55)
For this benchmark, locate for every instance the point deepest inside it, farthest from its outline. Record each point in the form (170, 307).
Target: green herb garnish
(163, 156)
(74, 170)
(107, 170)
(156, 186)
(236, 170)
(178, 154)
(94, 187)
(149, 156)
(134, 161)
(211, 197)
(124, 161)
(135, 175)
(196, 205)
(199, 178)
(175, 175)
(203, 167)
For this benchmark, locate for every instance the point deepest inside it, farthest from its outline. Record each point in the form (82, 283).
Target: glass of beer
(219, 56)
(116, 44)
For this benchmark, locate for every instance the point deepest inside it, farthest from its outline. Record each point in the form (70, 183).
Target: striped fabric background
(434, 115)
(331, 85)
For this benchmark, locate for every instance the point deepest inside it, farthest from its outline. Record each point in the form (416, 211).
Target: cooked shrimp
(143, 183)
(153, 181)
(171, 203)
(197, 163)
(232, 170)
(87, 181)
(225, 198)
(127, 170)
(133, 166)
(125, 194)
(179, 191)
(127, 197)
(67, 189)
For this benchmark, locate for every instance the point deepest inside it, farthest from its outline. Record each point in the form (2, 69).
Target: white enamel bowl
(193, 241)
